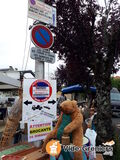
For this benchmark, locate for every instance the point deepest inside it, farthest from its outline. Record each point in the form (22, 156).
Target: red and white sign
(39, 100)
(40, 90)
(42, 37)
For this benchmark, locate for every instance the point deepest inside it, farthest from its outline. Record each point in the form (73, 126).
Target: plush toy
(69, 123)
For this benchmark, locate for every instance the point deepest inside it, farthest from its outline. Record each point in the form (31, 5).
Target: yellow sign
(38, 131)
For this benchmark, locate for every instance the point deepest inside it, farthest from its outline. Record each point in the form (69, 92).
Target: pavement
(116, 123)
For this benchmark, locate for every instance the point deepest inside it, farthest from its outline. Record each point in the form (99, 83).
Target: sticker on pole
(42, 37)
(40, 90)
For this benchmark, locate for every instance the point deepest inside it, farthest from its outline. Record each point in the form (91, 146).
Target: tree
(107, 51)
(68, 40)
(88, 40)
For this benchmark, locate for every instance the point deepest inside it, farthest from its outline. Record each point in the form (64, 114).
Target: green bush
(115, 83)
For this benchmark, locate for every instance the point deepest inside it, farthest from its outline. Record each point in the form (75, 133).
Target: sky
(14, 34)
(14, 28)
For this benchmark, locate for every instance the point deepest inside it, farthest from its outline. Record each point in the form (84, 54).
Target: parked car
(115, 102)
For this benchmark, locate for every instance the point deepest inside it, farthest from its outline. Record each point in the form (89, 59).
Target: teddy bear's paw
(66, 131)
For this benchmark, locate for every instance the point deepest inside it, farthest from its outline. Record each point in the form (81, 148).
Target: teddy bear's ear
(74, 103)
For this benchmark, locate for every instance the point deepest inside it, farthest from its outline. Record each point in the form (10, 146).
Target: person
(60, 100)
(93, 114)
(91, 133)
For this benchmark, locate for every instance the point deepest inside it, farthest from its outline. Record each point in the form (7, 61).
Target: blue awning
(73, 88)
(76, 88)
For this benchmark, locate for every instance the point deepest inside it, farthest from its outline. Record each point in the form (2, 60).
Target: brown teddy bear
(69, 123)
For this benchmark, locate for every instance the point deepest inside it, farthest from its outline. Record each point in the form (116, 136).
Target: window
(115, 96)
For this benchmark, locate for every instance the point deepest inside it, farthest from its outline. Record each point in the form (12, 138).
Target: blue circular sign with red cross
(42, 37)
(40, 90)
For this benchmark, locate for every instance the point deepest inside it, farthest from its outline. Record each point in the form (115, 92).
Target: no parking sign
(40, 90)
(39, 100)
(42, 37)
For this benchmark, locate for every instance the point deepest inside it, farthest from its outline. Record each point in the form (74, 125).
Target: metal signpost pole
(39, 67)
(43, 39)
(39, 74)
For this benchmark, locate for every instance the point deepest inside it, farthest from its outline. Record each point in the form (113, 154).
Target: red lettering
(30, 126)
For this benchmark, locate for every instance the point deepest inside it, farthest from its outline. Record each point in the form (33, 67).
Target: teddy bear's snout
(60, 107)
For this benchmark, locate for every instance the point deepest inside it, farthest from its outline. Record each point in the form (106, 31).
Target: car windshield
(115, 96)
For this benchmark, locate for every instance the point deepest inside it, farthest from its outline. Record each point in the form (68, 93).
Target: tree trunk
(104, 112)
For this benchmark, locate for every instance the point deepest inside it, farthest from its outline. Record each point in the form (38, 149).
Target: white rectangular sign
(39, 100)
(42, 12)
(38, 131)
(43, 55)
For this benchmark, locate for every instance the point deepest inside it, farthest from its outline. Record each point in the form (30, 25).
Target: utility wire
(26, 35)
(25, 44)
(28, 55)
(28, 52)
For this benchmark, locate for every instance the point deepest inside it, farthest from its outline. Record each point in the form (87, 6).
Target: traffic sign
(40, 90)
(42, 12)
(43, 55)
(42, 37)
(39, 100)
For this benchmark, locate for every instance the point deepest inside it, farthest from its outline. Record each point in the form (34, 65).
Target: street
(116, 122)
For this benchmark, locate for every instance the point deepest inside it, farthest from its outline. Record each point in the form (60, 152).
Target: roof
(7, 69)
(8, 82)
(117, 77)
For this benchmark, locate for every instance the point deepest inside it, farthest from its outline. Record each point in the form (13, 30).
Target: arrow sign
(53, 101)
(27, 102)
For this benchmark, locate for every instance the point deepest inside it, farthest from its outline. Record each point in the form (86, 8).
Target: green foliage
(115, 83)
